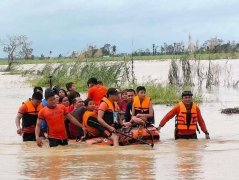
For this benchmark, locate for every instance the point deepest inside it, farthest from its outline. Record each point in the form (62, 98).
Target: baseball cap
(112, 91)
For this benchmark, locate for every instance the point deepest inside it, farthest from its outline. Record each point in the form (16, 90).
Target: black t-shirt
(128, 112)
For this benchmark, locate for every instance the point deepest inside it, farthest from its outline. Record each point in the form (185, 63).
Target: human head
(130, 95)
(89, 103)
(78, 102)
(141, 91)
(50, 98)
(71, 96)
(55, 89)
(91, 82)
(36, 98)
(62, 93)
(64, 101)
(113, 94)
(187, 97)
(124, 94)
(71, 87)
(57, 98)
(100, 83)
(38, 89)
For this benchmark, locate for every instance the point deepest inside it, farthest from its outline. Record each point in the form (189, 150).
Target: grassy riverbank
(205, 56)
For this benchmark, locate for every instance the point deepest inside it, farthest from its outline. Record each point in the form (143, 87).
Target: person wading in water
(28, 112)
(188, 115)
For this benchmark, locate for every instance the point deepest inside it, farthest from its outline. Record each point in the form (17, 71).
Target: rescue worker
(188, 115)
(28, 112)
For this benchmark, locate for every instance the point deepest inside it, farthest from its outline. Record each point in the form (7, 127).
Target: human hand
(138, 115)
(127, 124)
(112, 129)
(207, 136)
(39, 141)
(19, 131)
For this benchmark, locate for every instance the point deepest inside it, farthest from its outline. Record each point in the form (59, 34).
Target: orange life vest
(111, 113)
(29, 118)
(141, 107)
(181, 119)
(86, 117)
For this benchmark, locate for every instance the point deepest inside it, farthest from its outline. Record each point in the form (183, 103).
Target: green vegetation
(114, 74)
(167, 94)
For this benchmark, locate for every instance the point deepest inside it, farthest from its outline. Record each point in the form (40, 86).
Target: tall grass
(112, 74)
(167, 94)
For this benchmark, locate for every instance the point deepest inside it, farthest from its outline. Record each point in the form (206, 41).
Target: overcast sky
(66, 25)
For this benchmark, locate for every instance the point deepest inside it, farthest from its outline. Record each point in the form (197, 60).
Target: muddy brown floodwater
(217, 158)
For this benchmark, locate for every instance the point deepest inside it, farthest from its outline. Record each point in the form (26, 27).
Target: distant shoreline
(214, 56)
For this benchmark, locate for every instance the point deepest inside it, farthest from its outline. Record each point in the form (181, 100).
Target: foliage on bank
(114, 74)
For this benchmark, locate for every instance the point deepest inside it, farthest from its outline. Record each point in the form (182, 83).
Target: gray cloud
(66, 25)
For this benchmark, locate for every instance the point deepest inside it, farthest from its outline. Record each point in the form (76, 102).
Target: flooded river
(217, 158)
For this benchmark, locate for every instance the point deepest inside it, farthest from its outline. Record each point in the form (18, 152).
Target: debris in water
(230, 110)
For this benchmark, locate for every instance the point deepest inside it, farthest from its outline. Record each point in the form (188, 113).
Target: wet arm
(201, 122)
(18, 120)
(74, 120)
(133, 111)
(38, 128)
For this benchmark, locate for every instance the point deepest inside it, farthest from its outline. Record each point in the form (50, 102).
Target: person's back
(96, 93)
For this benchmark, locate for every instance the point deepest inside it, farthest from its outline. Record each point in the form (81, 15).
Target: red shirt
(96, 93)
(70, 108)
(55, 119)
(123, 105)
(175, 111)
